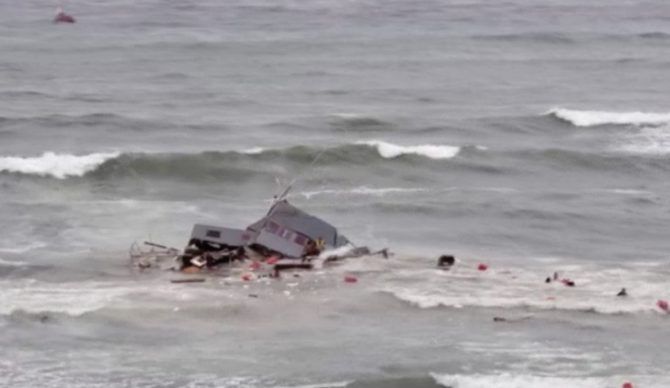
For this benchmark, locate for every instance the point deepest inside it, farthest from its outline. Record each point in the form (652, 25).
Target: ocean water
(530, 136)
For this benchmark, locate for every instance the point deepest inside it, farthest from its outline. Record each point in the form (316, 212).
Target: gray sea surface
(530, 136)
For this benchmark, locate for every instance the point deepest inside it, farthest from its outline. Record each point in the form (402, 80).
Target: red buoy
(662, 304)
(350, 279)
(482, 267)
(627, 385)
(246, 277)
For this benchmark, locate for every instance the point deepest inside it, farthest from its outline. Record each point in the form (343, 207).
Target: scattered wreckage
(285, 238)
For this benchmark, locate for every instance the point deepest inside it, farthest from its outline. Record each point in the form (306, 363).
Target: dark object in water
(195, 280)
(622, 292)
(253, 296)
(568, 282)
(446, 261)
(384, 253)
(281, 267)
(547, 280)
(516, 319)
(62, 17)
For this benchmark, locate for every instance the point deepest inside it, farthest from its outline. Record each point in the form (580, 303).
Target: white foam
(390, 151)
(341, 251)
(253, 151)
(77, 298)
(364, 191)
(34, 297)
(508, 380)
(56, 165)
(464, 286)
(648, 141)
(590, 118)
(337, 384)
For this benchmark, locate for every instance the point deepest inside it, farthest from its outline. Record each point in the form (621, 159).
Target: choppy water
(533, 136)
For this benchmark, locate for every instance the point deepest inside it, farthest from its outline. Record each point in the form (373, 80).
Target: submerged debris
(194, 280)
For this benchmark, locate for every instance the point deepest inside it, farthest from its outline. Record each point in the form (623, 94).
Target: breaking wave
(55, 165)
(590, 118)
(211, 163)
(390, 151)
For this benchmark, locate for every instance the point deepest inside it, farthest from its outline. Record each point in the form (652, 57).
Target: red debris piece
(627, 385)
(254, 265)
(272, 260)
(62, 17)
(662, 304)
(246, 277)
(350, 279)
(482, 267)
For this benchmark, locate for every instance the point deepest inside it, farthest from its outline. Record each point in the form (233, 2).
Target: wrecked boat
(285, 238)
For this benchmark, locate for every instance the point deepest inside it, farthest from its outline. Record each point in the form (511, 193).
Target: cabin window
(213, 234)
(300, 240)
(287, 234)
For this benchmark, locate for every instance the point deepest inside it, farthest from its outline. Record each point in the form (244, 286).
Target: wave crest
(237, 163)
(592, 118)
(390, 151)
(59, 166)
